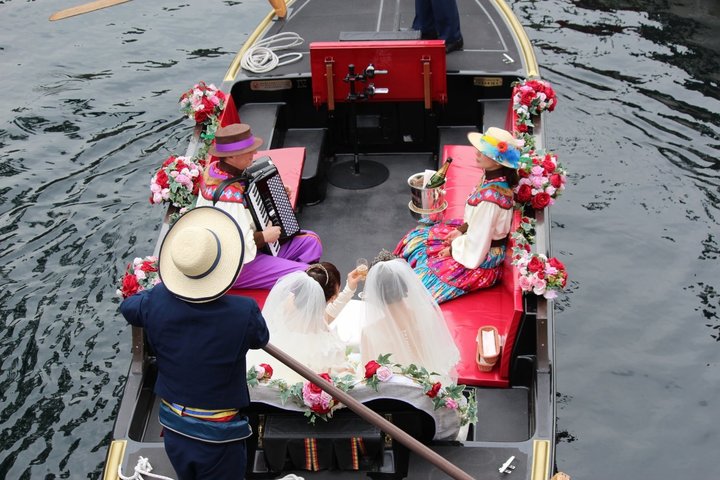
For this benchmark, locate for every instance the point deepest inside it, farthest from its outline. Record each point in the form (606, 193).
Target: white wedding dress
(402, 318)
(295, 316)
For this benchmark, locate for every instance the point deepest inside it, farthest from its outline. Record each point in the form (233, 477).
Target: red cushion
(500, 306)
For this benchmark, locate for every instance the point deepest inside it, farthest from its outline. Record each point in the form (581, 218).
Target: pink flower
(384, 374)
(525, 283)
(451, 403)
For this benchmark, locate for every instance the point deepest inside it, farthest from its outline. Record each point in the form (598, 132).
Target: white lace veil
(403, 319)
(295, 316)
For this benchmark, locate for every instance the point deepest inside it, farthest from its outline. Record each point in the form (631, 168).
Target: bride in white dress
(295, 315)
(403, 319)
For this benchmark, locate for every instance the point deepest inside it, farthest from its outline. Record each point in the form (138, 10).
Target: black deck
(489, 44)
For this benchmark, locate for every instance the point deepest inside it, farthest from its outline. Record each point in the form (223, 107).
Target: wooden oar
(395, 432)
(84, 8)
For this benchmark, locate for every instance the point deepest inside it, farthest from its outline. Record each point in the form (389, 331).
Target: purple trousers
(296, 255)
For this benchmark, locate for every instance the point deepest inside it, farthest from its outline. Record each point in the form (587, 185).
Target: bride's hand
(353, 278)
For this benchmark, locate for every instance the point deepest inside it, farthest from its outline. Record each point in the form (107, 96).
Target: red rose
(527, 97)
(130, 285)
(535, 265)
(522, 173)
(524, 193)
(314, 388)
(317, 408)
(527, 247)
(370, 368)
(162, 179)
(169, 160)
(521, 127)
(554, 262)
(548, 165)
(200, 116)
(540, 201)
(432, 393)
(556, 180)
(148, 266)
(268, 370)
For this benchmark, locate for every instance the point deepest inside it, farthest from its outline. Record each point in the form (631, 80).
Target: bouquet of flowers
(257, 374)
(202, 102)
(177, 181)
(531, 97)
(141, 274)
(540, 275)
(542, 179)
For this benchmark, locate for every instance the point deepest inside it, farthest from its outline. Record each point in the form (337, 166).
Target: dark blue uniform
(200, 350)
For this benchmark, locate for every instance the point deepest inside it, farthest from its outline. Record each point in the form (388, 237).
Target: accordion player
(268, 201)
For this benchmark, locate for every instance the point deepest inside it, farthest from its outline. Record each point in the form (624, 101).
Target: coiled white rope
(143, 467)
(261, 57)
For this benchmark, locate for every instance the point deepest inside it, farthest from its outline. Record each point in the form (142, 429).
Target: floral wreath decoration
(177, 182)
(202, 102)
(320, 404)
(141, 274)
(542, 179)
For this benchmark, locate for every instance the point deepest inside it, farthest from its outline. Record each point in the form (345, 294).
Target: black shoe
(451, 47)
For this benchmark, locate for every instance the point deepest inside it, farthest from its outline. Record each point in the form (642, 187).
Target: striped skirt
(444, 277)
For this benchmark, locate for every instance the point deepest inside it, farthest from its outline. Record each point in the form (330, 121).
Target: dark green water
(89, 108)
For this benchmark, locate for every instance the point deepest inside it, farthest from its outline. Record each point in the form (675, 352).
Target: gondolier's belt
(203, 414)
(213, 426)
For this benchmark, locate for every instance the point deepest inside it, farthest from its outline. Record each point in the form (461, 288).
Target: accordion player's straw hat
(234, 139)
(201, 255)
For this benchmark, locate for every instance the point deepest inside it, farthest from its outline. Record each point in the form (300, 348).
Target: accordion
(268, 201)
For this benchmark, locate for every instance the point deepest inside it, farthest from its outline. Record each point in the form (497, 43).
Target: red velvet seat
(500, 306)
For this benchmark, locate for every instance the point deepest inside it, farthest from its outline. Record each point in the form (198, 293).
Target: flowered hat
(234, 139)
(498, 144)
(201, 255)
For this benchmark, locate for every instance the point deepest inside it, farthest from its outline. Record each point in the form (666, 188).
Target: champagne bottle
(439, 177)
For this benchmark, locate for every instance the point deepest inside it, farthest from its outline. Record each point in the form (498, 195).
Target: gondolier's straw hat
(498, 144)
(201, 255)
(234, 139)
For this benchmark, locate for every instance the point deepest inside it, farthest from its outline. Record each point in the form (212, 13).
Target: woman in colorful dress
(460, 256)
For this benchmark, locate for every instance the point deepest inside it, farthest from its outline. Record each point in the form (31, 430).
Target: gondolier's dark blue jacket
(200, 347)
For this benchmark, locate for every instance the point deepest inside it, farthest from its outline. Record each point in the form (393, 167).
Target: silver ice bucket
(426, 204)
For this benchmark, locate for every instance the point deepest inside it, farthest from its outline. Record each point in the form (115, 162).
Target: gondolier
(200, 337)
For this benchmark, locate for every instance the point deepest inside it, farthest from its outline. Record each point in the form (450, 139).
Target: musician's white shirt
(244, 218)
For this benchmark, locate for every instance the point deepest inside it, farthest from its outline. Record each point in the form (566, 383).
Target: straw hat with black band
(202, 255)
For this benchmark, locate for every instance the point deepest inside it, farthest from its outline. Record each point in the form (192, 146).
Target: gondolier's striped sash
(209, 415)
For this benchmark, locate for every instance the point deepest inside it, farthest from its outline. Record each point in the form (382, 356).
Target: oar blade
(84, 8)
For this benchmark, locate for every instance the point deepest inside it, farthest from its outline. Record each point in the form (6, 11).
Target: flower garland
(530, 98)
(177, 181)
(318, 403)
(141, 274)
(524, 236)
(451, 397)
(542, 179)
(202, 102)
(540, 275)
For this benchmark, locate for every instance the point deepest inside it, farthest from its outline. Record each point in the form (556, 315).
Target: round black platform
(357, 174)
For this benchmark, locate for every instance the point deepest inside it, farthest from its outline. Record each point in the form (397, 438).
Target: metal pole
(395, 432)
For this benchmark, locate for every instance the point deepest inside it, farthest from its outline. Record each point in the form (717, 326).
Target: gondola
(364, 105)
